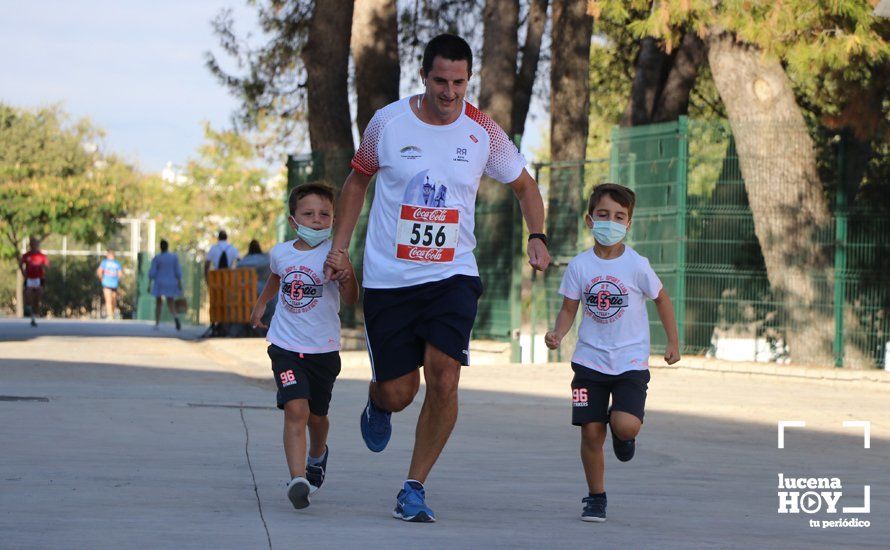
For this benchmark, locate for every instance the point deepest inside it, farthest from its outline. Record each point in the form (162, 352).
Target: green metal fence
(694, 223)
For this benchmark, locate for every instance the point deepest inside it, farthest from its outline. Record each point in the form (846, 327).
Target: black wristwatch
(541, 236)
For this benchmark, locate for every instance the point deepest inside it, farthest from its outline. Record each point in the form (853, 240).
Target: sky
(133, 67)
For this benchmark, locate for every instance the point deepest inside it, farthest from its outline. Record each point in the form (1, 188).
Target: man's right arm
(349, 207)
(352, 199)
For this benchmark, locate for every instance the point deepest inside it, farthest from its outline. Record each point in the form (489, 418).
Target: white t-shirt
(307, 316)
(614, 332)
(215, 253)
(421, 222)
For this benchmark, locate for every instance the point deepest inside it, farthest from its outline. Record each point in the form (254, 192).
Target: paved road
(141, 439)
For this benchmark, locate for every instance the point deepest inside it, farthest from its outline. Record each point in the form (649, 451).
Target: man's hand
(337, 265)
(538, 255)
(552, 339)
(672, 353)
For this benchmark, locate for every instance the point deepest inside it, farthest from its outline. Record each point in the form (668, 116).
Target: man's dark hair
(164, 245)
(618, 193)
(305, 190)
(254, 247)
(222, 235)
(447, 46)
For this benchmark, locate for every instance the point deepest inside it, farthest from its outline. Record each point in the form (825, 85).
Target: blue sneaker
(594, 508)
(411, 504)
(376, 427)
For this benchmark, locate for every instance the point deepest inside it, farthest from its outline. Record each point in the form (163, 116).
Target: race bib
(427, 234)
(32, 283)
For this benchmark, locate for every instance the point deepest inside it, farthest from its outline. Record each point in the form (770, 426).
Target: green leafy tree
(225, 187)
(54, 179)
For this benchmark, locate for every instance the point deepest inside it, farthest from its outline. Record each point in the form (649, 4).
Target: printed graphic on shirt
(301, 289)
(605, 299)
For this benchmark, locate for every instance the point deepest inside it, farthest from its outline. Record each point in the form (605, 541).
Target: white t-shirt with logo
(307, 315)
(421, 222)
(614, 334)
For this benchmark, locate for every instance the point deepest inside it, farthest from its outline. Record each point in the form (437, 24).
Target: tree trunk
(499, 48)
(569, 118)
(326, 58)
(778, 163)
(663, 83)
(494, 201)
(375, 52)
(651, 68)
(531, 54)
(673, 99)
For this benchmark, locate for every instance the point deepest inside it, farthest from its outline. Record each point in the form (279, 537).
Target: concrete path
(114, 435)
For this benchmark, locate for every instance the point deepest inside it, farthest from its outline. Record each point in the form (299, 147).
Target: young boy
(612, 353)
(304, 335)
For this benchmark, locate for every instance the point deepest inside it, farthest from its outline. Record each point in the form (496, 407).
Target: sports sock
(312, 461)
(597, 494)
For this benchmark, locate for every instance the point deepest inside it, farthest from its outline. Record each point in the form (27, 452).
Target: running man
(33, 265)
(420, 276)
(109, 273)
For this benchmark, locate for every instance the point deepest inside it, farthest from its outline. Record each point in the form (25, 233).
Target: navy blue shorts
(399, 322)
(591, 391)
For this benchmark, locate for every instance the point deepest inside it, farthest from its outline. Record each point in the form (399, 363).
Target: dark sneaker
(33, 323)
(376, 426)
(594, 508)
(298, 492)
(178, 325)
(411, 504)
(315, 472)
(624, 450)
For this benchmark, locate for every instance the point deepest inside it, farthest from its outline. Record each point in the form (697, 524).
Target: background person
(222, 255)
(165, 280)
(33, 264)
(259, 262)
(109, 273)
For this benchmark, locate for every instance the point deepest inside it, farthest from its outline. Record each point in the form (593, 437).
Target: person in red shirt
(33, 265)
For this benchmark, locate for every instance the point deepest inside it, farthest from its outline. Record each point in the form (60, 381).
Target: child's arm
(564, 321)
(271, 289)
(669, 322)
(339, 261)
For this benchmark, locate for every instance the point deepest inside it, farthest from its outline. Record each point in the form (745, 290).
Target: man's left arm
(526, 190)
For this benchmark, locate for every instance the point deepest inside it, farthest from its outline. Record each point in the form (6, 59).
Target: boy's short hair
(305, 190)
(450, 47)
(618, 193)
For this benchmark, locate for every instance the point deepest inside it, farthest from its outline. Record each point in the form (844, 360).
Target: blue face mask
(312, 237)
(608, 233)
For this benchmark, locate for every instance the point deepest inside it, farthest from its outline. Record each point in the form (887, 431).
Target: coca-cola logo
(425, 254)
(431, 215)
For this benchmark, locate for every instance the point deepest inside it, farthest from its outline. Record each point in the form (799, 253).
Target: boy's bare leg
(318, 434)
(296, 415)
(625, 426)
(438, 414)
(593, 435)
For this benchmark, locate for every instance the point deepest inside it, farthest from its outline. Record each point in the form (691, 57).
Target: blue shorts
(399, 322)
